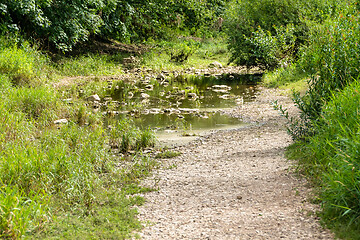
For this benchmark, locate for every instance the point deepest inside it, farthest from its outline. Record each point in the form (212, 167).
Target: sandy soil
(234, 185)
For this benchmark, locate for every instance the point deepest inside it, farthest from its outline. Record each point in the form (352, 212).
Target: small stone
(144, 95)
(192, 95)
(215, 64)
(149, 87)
(239, 197)
(160, 77)
(94, 98)
(61, 121)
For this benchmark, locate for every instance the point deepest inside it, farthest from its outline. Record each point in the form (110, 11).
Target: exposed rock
(220, 90)
(192, 95)
(94, 98)
(226, 96)
(131, 61)
(221, 87)
(155, 110)
(188, 110)
(215, 64)
(144, 95)
(160, 77)
(61, 121)
(149, 87)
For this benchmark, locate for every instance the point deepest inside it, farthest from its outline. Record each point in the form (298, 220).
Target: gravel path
(233, 185)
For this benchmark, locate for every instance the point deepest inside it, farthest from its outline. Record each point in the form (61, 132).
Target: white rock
(61, 121)
(94, 98)
(144, 95)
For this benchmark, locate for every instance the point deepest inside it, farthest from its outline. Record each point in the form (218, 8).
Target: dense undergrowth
(52, 174)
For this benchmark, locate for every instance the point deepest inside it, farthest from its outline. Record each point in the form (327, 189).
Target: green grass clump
(53, 176)
(20, 212)
(126, 137)
(23, 65)
(331, 157)
(40, 104)
(167, 154)
(283, 76)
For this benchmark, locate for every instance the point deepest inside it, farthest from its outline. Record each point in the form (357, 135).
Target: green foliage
(37, 104)
(167, 154)
(21, 64)
(333, 60)
(284, 76)
(21, 212)
(85, 65)
(332, 156)
(267, 33)
(123, 20)
(180, 52)
(49, 170)
(126, 137)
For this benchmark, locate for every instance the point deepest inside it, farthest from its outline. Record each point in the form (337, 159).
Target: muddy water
(180, 108)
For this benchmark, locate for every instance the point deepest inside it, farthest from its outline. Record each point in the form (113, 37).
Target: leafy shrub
(254, 25)
(332, 59)
(123, 20)
(180, 52)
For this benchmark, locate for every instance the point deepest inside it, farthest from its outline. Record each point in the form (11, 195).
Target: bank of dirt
(234, 184)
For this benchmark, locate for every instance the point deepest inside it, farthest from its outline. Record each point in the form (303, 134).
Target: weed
(167, 154)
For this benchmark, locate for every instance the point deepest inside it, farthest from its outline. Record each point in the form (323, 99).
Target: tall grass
(46, 169)
(330, 146)
(86, 65)
(332, 157)
(24, 65)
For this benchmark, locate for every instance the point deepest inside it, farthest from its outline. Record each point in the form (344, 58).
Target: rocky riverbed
(234, 184)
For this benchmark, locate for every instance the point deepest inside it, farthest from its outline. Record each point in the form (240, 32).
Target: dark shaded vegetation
(64, 24)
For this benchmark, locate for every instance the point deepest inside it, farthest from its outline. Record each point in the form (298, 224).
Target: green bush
(253, 27)
(332, 58)
(123, 20)
(181, 51)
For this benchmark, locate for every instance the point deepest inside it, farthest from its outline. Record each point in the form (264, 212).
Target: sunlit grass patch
(202, 54)
(86, 65)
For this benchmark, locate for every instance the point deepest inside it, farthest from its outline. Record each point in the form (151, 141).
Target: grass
(331, 160)
(286, 78)
(87, 65)
(204, 52)
(55, 177)
(167, 154)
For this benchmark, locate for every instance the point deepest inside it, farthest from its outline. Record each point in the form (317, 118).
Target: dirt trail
(234, 185)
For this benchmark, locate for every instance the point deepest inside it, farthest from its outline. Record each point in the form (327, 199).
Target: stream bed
(179, 109)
